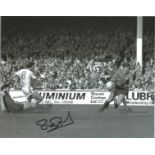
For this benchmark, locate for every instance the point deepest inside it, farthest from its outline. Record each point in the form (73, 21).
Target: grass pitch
(88, 123)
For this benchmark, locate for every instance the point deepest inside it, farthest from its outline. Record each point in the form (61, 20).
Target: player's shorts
(10, 105)
(26, 91)
(117, 90)
(31, 95)
(35, 95)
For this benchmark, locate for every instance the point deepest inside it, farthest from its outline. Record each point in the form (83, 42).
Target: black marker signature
(55, 123)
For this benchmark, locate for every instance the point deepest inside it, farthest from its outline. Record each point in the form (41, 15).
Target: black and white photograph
(77, 76)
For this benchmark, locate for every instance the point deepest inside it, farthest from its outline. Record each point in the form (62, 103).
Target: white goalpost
(140, 40)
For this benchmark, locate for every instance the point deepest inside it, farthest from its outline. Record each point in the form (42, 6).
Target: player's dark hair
(29, 64)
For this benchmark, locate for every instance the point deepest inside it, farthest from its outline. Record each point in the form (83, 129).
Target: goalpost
(140, 40)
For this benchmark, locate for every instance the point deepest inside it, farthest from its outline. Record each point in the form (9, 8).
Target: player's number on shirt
(23, 75)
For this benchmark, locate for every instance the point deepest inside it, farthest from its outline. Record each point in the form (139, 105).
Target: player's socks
(26, 105)
(105, 105)
(33, 104)
(29, 98)
(116, 105)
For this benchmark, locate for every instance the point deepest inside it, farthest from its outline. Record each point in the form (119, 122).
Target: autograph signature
(55, 123)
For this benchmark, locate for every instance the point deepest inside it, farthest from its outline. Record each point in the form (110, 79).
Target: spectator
(69, 58)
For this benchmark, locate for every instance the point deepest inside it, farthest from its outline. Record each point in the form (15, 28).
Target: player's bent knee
(110, 99)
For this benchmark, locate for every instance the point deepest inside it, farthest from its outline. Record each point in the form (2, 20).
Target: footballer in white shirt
(25, 77)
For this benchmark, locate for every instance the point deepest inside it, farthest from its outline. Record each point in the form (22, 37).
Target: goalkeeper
(120, 83)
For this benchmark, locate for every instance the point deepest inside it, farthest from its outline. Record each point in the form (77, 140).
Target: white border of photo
(77, 8)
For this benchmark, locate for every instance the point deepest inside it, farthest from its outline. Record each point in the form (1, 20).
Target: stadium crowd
(82, 59)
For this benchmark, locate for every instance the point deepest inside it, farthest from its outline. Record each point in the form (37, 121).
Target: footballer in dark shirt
(120, 83)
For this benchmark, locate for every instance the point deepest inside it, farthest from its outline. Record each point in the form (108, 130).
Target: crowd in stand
(78, 59)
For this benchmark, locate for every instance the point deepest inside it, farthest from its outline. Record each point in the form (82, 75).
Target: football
(109, 85)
